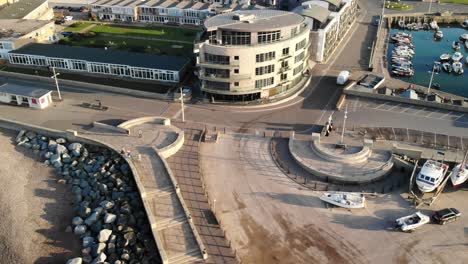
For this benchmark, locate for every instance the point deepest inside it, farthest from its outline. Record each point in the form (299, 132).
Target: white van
(342, 78)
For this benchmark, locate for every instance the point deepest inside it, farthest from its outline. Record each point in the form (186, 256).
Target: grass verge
(398, 6)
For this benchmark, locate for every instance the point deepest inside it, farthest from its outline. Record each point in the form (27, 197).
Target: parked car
(446, 215)
(67, 34)
(68, 18)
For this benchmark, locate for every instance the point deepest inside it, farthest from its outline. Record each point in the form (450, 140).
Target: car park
(446, 215)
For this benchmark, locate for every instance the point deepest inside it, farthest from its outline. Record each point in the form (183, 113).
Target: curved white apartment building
(250, 55)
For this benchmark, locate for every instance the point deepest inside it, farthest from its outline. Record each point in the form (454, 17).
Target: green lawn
(398, 6)
(170, 33)
(464, 2)
(77, 26)
(127, 44)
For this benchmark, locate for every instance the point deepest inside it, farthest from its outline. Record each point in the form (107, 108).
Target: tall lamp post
(182, 104)
(56, 82)
(430, 82)
(344, 124)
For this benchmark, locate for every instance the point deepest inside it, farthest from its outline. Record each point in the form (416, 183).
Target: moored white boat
(466, 44)
(438, 35)
(458, 67)
(346, 200)
(459, 173)
(447, 67)
(456, 45)
(431, 175)
(464, 24)
(434, 25)
(457, 56)
(464, 37)
(445, 57)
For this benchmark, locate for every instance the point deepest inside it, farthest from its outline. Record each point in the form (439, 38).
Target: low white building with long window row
(100, 61)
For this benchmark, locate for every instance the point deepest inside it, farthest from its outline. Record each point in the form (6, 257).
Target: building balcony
(214, 65)
(214, 77)
(285, 57)
(284, 69)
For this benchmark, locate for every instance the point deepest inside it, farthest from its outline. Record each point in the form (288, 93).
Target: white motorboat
(346, 200)
(431, 175)
(438, 35)
(466, 60)
(447, 67)
(410, 222)
(459, 173)
(457, 56)
(456, 45)
(464, 37)
(466, 44)
(434, 25)
(464, 24)
(458, 67)
(445, 57)
(405, 49)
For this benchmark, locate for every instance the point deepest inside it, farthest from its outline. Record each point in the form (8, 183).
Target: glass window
(265, 56)
(285, 51)
(264, 82)
(268, 36)
(235, 38)
(265, 69)
(301, 44)
(217, 59)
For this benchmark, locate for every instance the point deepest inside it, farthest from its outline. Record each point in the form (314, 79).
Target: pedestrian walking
(122, 151)
(140, 133)
(129, 154)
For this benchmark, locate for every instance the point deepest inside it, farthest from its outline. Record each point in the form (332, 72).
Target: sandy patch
(34, 209)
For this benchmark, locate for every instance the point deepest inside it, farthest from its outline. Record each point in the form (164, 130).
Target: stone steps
(192, 256)
(169, 222)
(161, 192)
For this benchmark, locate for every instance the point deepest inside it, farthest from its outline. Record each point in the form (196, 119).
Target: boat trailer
(424, 198)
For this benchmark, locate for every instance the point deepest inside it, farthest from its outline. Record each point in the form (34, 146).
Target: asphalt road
(313, 106)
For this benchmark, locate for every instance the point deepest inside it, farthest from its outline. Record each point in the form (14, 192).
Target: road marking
(459, 117)
(381, 106)
(408, 108)
(422, 109)
(442, 117)
(393, 107)
(433, 112)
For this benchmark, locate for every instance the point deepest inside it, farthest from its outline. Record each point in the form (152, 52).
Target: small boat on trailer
(346, 200)
(431, 175)
(459, 173)
(411, 222)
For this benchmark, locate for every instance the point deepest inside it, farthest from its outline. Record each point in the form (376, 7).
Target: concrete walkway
(185, 165)
(177, 239)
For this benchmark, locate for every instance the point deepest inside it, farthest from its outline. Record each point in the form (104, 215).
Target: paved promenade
(185, 165)
(171, 223)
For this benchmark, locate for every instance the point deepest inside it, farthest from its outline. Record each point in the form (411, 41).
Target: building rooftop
(13, 28)
(23, 90)
(254, 20)
(133, 59)
(316, 12)
(19, 9)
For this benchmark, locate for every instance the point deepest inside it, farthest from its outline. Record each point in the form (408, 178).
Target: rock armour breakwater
(109, 215)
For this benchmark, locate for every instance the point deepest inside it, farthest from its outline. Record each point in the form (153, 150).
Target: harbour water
(427, 50)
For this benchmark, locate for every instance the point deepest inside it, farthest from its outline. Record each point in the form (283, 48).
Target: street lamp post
(56, 82)
(182, 104)
(430, 82)
(344, 124)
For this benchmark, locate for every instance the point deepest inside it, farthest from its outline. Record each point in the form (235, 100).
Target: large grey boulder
(77, 221)
(92, 218)
(31, 134)
(80, 230)
(60, 149)
(109, 218)
(104, 235)
(52, 145)
(61, 140)
(75, 261)
(98, 248)
(66, 158)
(20, 135)
(88, 241)
(99, 259)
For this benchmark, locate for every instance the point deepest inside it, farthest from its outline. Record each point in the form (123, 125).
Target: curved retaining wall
(71, 135)
(359, 156)
(379, 173)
